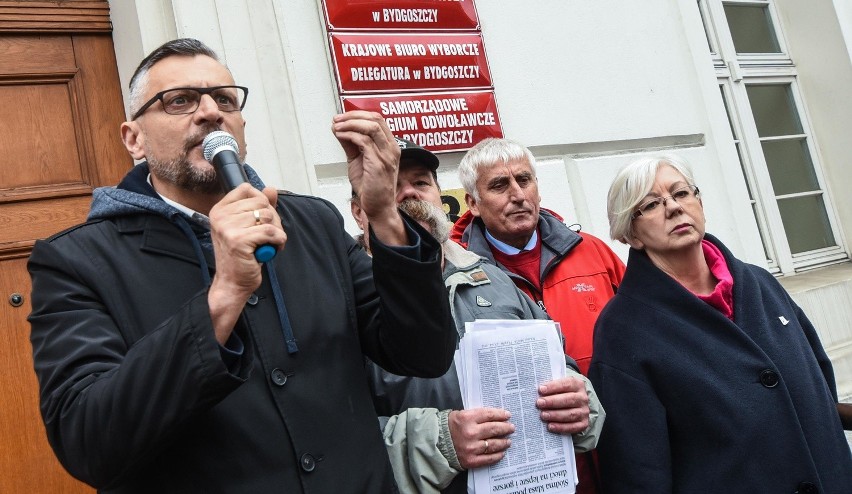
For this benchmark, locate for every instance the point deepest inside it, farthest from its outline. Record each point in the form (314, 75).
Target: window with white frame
(769, 126)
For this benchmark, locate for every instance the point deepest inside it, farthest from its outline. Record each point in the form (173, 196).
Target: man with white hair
(571, 275)
(430, 438)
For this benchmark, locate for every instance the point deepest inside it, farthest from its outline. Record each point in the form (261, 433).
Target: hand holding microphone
(221, 149)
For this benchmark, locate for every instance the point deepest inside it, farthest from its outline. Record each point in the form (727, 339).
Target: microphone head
(217, 141)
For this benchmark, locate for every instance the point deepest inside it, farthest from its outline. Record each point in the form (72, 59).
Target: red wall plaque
(437, 121)
(401, 14)
(409, 62)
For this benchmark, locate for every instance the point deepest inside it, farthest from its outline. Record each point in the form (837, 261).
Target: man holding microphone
(170, 360)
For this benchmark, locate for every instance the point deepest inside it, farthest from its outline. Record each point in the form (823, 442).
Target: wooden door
(60, 111)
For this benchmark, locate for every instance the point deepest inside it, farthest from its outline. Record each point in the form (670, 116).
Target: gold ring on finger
(486, 447)
(256, 214)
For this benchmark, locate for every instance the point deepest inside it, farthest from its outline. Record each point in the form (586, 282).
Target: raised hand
(244, 219)
(372, 155)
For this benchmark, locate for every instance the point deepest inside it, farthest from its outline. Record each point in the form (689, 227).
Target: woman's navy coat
(697, 403)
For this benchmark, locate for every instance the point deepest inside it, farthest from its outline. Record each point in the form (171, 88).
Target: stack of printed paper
(500, 364)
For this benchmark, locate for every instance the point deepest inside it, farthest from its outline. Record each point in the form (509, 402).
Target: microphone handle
(232, 175)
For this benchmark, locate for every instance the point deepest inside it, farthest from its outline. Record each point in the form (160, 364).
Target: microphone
(221, 149)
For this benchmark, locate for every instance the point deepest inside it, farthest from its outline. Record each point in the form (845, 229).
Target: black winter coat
(136, 396)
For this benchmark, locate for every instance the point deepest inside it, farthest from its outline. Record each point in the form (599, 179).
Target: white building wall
(595, 81)
(844, 18)
(587, 85)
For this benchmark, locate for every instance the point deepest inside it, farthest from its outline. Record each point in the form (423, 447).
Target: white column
(844, 17)
(138, 28)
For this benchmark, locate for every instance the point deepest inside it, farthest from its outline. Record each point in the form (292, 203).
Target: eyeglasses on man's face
(654, 207)
(183, 100)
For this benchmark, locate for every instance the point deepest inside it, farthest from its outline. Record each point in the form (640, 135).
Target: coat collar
(556, 238)
(157, 235)
(648, 284)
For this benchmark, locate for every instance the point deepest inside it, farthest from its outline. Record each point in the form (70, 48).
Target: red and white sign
(437, 121)
(401, 14)
(409, 62)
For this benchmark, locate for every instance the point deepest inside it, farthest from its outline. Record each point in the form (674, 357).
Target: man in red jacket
(571, 275)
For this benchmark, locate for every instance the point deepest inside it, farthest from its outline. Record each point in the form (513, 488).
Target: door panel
(38, 113)
(26, 460)
(60, 111)
(23, 222)
(16, 54)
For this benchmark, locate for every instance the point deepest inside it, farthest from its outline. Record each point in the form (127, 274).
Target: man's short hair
(187, 47)
(487, 153)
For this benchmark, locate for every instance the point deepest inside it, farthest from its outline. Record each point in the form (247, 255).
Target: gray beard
(430, 214)
(181, 173)
(178, 171)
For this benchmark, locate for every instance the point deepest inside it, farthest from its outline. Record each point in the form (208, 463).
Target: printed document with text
(500, 364)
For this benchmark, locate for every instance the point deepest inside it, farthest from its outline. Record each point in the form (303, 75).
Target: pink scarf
(722, 297)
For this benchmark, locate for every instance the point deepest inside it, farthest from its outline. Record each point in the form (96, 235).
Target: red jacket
(579, 274)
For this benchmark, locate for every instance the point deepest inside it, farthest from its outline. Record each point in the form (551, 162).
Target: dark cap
(412, 151)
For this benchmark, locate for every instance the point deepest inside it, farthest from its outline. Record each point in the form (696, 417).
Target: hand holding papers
(501, 364)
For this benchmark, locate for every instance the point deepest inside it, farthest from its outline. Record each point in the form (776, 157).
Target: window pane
(769, 258)
(743, 170)
(706, 30)
(728, 113)
(774, 110)
(751, 29)
(806, 223)
(790, 166)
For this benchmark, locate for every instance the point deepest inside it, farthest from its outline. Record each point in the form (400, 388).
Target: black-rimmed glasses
(183, 100)
(683, 196)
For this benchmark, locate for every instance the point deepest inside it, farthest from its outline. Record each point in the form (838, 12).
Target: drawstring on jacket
(283, 318)
(135, 195)
(179, 220)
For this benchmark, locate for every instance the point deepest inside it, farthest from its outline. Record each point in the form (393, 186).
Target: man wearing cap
(430, 438)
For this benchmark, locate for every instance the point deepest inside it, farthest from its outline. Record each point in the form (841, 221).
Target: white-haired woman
(712, 378)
